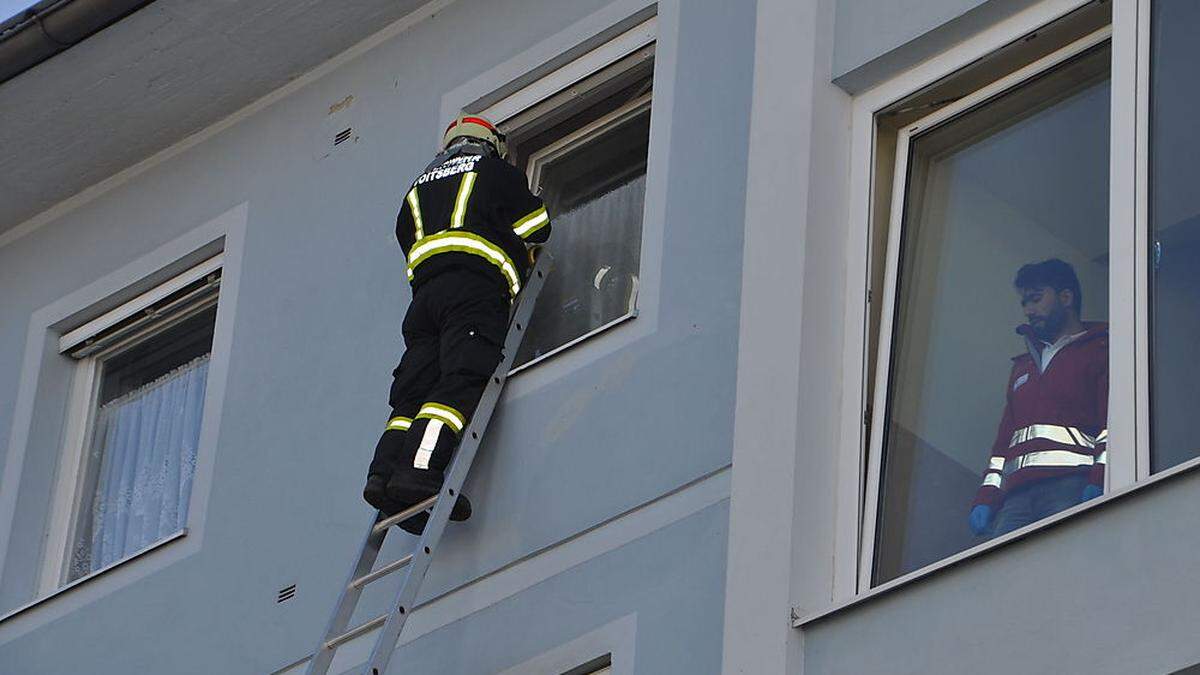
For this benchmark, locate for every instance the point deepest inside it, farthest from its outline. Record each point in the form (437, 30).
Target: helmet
(473, 126)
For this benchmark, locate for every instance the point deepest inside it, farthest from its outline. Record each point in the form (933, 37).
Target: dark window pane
(594, 192)
(979, 414)
(1175, 232)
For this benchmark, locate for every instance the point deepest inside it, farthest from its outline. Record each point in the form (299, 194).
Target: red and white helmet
(474, 126)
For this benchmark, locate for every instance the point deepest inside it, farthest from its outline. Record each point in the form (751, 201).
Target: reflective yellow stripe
(996, 464)
(531, 223)
(399, 423)
(444, 413)
(463, 242)
(460, 203)
(992, 479)
(414, 205)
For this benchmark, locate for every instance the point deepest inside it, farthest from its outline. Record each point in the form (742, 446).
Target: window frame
(895, 233)
(80, 419)
(515, 105)
(1129, 23)
(559, 148)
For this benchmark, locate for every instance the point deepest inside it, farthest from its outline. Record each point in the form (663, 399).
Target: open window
(974, 414)
(584, 147)
(133, 426)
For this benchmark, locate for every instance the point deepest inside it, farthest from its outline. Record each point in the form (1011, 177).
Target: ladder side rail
(368, 553)
(385, 644)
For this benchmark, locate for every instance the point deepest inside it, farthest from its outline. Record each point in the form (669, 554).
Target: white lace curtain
(598, 248)
(142, 461)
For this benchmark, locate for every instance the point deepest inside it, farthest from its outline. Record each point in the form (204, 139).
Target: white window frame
(895, 234)
(640, 36)
(560, 148)
(77, 435)
(1128, 468)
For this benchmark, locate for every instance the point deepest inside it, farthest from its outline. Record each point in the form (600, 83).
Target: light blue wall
(319, 299)
(1109, 592)
(665, 581)
(878, 37)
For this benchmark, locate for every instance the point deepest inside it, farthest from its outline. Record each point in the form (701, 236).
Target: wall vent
(343, 136)
(286, 594)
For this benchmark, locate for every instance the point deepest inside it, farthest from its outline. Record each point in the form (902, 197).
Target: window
(585, 150)
(1059, 137)
(1174, 215)
(991, 395)
(126, 474)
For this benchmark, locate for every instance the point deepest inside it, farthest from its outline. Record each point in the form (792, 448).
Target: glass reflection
(1014, 190)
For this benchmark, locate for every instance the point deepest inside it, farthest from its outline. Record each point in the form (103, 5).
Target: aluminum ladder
(417, 562)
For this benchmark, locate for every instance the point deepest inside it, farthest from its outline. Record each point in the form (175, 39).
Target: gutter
(53, 26)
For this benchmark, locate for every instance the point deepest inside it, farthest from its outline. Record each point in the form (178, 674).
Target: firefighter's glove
(981, 515)
(1091, 492)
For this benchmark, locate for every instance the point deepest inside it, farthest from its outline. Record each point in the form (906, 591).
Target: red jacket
(1055, 423)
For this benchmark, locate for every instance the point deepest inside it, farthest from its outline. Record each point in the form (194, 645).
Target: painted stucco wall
(875, 38)
(602, 430)
(1108, 592)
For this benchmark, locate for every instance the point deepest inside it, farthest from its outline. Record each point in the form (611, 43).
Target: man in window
(464, 226)
(1049, 453)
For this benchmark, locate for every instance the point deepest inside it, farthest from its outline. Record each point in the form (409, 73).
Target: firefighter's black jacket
(469, 209)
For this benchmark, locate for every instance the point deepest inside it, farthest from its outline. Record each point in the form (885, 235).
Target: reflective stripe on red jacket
(1055, 423)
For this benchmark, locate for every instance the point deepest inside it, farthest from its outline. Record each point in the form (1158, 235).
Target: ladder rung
(404, 515)
(381, 572)
(355, 632)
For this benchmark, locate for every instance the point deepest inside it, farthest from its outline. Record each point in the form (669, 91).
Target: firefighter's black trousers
(453, 334)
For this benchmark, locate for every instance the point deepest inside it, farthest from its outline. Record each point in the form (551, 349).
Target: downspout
(54, 26)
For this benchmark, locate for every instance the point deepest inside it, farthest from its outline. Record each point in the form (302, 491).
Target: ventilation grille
(286, 594)
(343, 136)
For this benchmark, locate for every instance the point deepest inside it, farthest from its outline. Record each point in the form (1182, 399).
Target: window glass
(997, 391)
(138, 469)
(594, 186)
(1175, 232)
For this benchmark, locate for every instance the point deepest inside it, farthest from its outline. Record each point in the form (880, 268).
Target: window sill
(805, 620)
(586, 336)
(100, 572)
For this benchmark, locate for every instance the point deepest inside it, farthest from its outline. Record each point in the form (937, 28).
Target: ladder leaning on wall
(415, 564)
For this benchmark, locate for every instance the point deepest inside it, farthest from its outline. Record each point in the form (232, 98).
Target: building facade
(760, 395)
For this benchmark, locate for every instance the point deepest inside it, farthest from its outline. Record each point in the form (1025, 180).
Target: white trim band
(1048, 458)
(1052, 432)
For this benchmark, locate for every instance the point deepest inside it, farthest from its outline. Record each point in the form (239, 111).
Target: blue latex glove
(1091, 492)
(981, 515)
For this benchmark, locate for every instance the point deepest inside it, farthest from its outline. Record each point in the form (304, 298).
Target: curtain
(598, 248)
(142, 461)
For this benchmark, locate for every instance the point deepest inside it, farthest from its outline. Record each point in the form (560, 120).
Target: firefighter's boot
(410, 487)
(375, 494)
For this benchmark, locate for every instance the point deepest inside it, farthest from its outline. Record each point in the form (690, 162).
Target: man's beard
(1049, 326)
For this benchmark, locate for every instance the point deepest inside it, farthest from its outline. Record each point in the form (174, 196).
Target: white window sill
(586, 336)
(800, 620)
(104, 570)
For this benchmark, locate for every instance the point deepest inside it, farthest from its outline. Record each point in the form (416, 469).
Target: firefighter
(465, 226)
(1050, 451)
